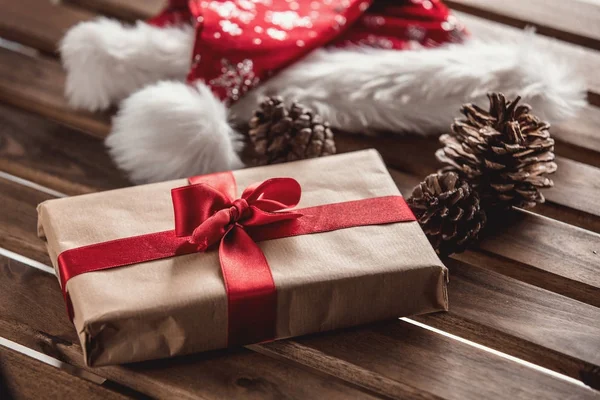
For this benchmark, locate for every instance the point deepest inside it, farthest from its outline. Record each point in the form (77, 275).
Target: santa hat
(185, 76)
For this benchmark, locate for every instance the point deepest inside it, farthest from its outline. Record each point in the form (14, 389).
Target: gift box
(186, 266)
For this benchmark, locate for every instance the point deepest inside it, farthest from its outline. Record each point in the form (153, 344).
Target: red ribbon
(205, 215)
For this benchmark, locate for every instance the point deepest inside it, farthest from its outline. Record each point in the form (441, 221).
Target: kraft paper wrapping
(178, 305)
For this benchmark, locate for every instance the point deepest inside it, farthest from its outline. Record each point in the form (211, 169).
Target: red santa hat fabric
(241, 43)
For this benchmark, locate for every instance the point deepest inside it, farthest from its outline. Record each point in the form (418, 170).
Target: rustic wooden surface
(530, 291)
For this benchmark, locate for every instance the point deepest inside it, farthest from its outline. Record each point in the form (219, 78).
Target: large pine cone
(449, 212)
(279, 134)
(505, 152)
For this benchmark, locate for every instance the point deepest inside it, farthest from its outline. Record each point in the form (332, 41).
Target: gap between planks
(573, 21)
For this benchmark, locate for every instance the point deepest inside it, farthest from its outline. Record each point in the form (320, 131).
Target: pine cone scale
(279, 134)
(505, 152)
(448, 211)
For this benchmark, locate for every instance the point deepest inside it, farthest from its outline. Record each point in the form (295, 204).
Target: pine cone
(505, 153)
(449, 212)
(279, 134)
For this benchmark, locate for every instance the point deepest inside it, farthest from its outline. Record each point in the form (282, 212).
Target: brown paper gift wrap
(178, 305)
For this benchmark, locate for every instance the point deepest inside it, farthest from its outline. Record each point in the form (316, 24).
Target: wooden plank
(36, 84)
(33, 315)
(28, 378)
(130, 10)
(577, 186)
(565, 214)
(578, 138)
(573, 21)
(406, 182)
(38, 23)
(520, 319)
(55, 156)
(555, 249)
(18, 220)
(457, 371)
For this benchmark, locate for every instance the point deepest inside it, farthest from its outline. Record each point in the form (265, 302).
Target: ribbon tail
(251, 292)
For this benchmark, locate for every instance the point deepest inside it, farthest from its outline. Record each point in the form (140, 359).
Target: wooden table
(524, 319)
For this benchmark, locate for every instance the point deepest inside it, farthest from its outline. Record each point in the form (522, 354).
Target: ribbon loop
(238, 210)
(213, 213)
(252, 297)
(274, 194)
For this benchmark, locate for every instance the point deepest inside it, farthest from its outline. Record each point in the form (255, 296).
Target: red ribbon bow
(208, 216)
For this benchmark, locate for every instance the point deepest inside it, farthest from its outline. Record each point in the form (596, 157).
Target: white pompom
(106, 61)
(172, 130)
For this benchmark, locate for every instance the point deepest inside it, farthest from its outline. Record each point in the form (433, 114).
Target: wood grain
(572, 21)
(53, 155)
(28, 378)
(36, 84)
(545, 328)
(18, 220)
(454, 370)
(33, 315)
(130, 10)
(577, 186)
(578, 138)
(551, 247)
(38, 23)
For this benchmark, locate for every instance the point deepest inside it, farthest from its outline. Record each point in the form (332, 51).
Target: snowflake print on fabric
(235, 79)
(230, 27)
(229, 9)
(241, 42)
(288, 19)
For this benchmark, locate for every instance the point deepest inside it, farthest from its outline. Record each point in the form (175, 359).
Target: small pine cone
(279, 134)
(505, 153)
(449, 212)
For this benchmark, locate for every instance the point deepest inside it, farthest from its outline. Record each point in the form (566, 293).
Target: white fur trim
(106, 60)
(420, 91)
(172, 130)
(357, 89)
